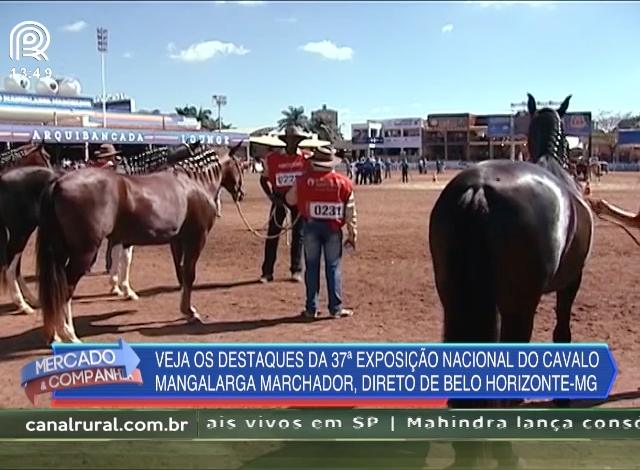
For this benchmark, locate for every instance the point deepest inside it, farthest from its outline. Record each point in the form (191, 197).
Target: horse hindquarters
(467, 273)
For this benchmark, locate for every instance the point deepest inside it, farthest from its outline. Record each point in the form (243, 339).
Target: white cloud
(416, 105)
(127, 55)
(447, 28)
(289, 20)
(328, 50)
(501, 4)
(203, 51)
(75, 27)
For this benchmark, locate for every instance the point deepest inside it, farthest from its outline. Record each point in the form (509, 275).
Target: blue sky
(369, 60)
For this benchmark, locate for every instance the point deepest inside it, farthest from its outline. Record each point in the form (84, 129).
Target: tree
(294, 116)
(146, 111)
(608, 121)
(204, 117)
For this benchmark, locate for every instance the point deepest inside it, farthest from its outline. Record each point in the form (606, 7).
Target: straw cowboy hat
(324, 157)
(268, 140)
(106, 151)
(293, 134)
(313, 143)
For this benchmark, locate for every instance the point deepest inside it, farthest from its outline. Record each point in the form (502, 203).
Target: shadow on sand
(157, 290)
(33, 341)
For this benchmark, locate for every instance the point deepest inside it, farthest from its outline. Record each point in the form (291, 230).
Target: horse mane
(13, 156)
(146, 162)
(548, 145)
(205, 165)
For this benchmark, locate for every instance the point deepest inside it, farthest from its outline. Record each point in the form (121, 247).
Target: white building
(389, 137)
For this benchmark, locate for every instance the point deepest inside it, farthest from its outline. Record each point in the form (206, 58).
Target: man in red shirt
(281, 169)
(325, 199)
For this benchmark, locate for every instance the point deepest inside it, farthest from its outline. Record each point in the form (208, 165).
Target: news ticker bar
(307, 424)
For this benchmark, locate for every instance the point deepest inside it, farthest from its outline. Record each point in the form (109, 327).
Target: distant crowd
(374, 170)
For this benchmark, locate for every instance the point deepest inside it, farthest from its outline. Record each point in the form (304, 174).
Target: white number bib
(286, 179)
(326, 210)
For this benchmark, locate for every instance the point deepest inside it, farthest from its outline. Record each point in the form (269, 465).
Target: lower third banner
(332, 375)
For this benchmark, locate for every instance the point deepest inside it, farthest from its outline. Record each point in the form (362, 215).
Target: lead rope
(622, 226)
(286, 229)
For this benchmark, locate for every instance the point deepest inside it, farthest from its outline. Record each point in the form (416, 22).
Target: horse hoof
(131, 296)
(26, 310)
(116, 291)
(195, 319)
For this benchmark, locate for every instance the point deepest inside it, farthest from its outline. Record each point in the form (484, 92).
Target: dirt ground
(389, 283)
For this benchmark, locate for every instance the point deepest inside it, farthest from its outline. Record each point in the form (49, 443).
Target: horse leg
(14, 287)
(562, 332)
(76, 268)
(114, 278)
(192, 250)
(125, 270)
(31, 299)
(218, 203)
(177, 254)
(516, 326)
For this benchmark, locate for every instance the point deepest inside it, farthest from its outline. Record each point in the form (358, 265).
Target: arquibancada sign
(80, 135)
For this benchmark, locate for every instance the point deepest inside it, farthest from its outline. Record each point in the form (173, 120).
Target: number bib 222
(326, 210)
(286, 179)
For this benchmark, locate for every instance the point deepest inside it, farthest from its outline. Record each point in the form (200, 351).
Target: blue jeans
(319, 238)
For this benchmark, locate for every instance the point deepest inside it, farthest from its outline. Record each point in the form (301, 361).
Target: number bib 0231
(326, 210)
(284, 180)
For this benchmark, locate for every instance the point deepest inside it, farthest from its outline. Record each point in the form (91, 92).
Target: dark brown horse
(176, 207)
(20, 191)
(34, 158)
(501, 235)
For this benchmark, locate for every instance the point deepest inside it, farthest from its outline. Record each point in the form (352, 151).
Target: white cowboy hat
(293, 134)
(268, 140)
(324, 157)
(314, 142)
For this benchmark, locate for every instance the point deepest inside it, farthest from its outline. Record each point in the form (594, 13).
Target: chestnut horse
(20, 191)
(80, 209)
(28, 157)
(501, 235)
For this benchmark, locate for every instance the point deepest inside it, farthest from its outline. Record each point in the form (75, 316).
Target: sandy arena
(389, 283)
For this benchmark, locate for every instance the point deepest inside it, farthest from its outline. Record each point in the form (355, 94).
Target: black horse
(501, 235)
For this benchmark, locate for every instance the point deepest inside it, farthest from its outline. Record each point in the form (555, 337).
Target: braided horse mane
(146, 162)
(205, 165)
(13, 157)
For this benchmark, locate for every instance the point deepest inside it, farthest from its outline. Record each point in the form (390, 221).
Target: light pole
(521, 106)
(102, 49)
(220, 101)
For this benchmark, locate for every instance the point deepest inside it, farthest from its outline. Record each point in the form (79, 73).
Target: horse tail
(51, 256)
(4, 256)
(461, 249)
